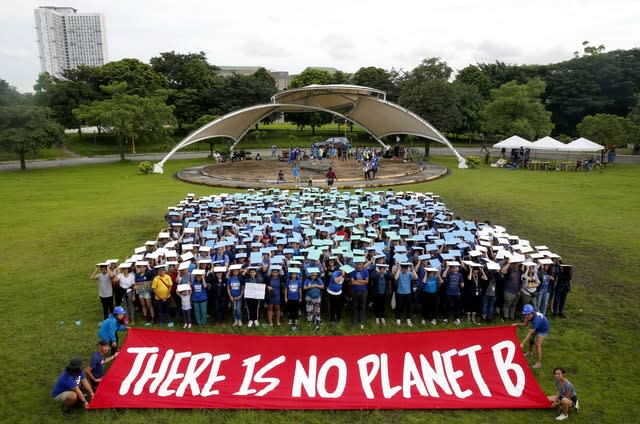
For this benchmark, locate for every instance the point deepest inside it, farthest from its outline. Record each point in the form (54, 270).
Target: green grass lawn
(60, 222)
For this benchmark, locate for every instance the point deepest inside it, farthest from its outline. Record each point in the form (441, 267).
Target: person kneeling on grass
(110, 327)
(565, 396)
(67, 388)
(95, 370)
(539, 330)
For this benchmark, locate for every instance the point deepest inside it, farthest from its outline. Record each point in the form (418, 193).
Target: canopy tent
(582, 145)
(547, 143)
(513, 142)
(366, 107)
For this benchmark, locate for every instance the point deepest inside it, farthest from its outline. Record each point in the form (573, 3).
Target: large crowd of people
(380, 250)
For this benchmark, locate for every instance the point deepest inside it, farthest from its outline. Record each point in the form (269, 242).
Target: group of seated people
(270, 255)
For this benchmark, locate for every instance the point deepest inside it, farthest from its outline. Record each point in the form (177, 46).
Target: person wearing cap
(104, 277)
(540, 328)
(95, 370)
(126, 281)
(403, 277)
(142, 287)
(565, 396)
(161, 287)
(67, 388)
(108, 331)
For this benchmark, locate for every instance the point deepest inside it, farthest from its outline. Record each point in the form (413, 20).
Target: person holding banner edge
(539, 330)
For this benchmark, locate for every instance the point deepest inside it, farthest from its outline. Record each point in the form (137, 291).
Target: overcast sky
(289, 35)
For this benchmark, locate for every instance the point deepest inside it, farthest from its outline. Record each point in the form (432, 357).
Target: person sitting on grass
(565, 396)
(110, 326)
(539, 330)
(95, 370)
(67, 388)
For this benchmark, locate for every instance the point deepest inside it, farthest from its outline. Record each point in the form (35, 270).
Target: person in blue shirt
(67, 387)
(359, 283)
(274, 287)
(380, 278)
(95, 370)
(540, 328)
(110, 326)
(403, 276)
(293, 296)
(429, 286)
(235, 290)
(334, 292)
(199, 287)
(453, 282)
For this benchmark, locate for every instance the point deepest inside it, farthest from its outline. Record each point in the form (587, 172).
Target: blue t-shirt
(67, 382)
(199, 292)
(431, 284)
(333, 286)
(293, 289)
(97, 365)
(540, 323)
(404, 282)
(235, 286)
(363, 274)
(275, 284)
(453, 284)
(314, 292)
(544, 283)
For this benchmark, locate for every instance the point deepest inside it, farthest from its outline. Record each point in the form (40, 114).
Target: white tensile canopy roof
(513, 142)
(547, 143)
(366, 107)
(582, 145)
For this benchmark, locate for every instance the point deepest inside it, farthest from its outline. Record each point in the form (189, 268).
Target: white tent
(513, 142)
(547, 143)
(582, 145)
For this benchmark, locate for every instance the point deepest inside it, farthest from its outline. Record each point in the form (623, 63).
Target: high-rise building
(68, 39)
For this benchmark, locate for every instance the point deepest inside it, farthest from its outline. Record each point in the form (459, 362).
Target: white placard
(254, 290)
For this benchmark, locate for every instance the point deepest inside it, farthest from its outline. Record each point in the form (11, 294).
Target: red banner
(477, 368)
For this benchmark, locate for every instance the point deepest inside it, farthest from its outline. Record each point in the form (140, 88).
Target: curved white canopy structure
(366, 107)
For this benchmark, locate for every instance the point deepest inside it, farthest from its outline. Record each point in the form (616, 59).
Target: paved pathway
(156, 157)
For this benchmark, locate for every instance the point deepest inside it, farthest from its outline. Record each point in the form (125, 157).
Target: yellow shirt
(162, 286)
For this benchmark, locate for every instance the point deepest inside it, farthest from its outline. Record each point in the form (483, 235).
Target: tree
(589, 50)
(472, 75)
(517, 109)
(141, 79)
(185, 71)
(603, 128)
(375, 78)
(62, 95)
(427, 92)
(469, 103)
(24, 127)
(307, 77)
(129, 115)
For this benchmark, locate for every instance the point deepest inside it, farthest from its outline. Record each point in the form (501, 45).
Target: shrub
(145, 167)
(472, 161)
